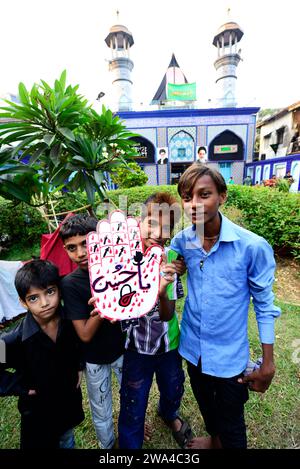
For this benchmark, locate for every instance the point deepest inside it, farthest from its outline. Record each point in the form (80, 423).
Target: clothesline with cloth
(10, 307)
(52, 249)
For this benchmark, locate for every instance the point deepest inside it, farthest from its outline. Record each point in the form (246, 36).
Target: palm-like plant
(65, 141)
(100, 145)
(43, 119)
(10, 169)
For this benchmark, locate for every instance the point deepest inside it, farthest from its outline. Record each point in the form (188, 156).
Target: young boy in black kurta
(102, 343)
(43, 349)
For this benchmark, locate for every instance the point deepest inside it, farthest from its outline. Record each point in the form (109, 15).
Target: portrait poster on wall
(162, 155)
(202, 154)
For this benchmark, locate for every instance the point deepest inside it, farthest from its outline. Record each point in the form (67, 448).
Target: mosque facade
(226, 134)
(176, 134)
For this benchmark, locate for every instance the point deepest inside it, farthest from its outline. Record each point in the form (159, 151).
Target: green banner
(184, 92)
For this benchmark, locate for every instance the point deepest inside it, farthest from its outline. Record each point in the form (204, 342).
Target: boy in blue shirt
(226, 266)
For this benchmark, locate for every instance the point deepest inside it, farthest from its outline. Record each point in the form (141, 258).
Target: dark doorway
(145, 150)
(177, 169)
(227, 146)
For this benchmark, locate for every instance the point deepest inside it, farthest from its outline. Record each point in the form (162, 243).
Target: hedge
(272, 214)
(24, 224)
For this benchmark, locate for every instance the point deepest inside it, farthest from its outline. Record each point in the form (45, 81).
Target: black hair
(188, 179)
(37, 273)
(80, 224)
(202, 148)
(162, 150)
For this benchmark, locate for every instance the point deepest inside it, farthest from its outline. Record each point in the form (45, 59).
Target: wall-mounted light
(100, 95)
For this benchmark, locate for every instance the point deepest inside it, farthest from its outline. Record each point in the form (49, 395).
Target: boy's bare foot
(116, 444)
(147, 432)
(205, 442)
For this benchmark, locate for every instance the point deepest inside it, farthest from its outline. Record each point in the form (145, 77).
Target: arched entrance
(145, 149)
(227, 146)
(181, 154)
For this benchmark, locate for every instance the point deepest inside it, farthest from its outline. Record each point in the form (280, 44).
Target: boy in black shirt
(102, 341)
(44, 351)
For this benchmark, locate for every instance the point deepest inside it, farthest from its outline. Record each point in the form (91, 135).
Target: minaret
(226, 40)
(119, 41)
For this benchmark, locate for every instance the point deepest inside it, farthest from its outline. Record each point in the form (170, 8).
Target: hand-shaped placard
(124, 280)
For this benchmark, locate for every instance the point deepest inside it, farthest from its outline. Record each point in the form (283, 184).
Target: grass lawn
(273, 418)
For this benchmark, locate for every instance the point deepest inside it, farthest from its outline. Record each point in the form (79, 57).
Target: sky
(40, 38)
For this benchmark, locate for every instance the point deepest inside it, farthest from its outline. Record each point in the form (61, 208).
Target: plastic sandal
(182, 436)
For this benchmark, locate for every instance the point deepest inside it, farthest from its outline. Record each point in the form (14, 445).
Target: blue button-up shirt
(220, 283)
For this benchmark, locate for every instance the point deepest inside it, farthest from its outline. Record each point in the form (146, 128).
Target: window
(267, 141)
(280, 134)
(266, 172)
(250, 172)
(181, 153)
(257, 174)
(279, 169)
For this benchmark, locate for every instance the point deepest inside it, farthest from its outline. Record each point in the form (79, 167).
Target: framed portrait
(162, 155)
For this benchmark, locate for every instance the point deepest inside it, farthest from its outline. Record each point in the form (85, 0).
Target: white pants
(98, 380)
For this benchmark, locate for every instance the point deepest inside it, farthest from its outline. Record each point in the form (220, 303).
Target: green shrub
(69, 201)
(269, 213)
(132, 177)
(24, 224)
(283, 185)
(21, 223)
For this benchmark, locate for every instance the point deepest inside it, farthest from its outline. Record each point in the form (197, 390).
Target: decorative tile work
(162, 174)
(162, 137)
(201, 135)
(237, 172)
(181, 147)
(150, 170)
(174, 130)
(239, 130)
(187, 121)
(192, 131)
(149, 134)
(251, 129)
